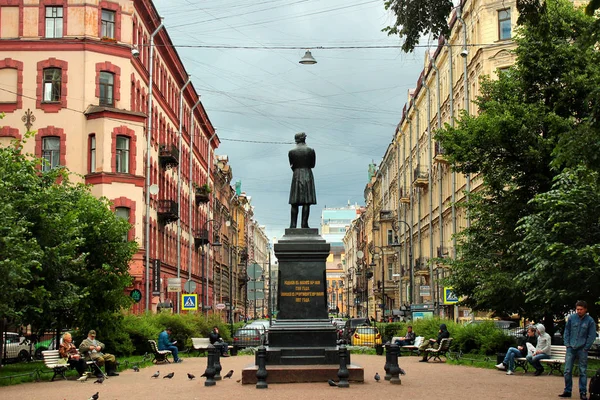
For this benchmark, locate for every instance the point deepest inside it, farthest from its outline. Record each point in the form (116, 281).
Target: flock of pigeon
(191, 377)
(156, 375)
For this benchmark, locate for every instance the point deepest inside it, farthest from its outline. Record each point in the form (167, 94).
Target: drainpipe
(453, 199)
(191, 189)
(430, 193)
(148, 160)
(214, 192)
(465, 55)
(441, 198)
(189, 80)
(412, 216)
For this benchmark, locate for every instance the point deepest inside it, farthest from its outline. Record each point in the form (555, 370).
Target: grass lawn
(15, 373)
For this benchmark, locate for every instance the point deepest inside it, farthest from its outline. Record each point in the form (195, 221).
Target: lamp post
(349, 277)
(341, 301)
(148, 159)
(377, 249)
(203, 254)
(410, 262)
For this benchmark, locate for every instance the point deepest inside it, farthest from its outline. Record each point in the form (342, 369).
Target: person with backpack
(580, 333)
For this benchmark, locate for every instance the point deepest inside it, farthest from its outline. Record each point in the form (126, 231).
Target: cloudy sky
(349, 103)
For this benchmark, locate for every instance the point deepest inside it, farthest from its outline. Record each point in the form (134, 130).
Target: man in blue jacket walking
(580, 333)
(165, 344)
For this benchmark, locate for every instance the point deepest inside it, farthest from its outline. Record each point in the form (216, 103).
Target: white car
(16, 348)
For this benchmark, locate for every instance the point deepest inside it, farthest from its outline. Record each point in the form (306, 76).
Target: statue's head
(300, 137)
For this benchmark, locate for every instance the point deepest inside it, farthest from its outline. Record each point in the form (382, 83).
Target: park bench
(160, 356)
(555, 362)
(55, 362)
(200, 344)
(412, 348)
(557, 359)
(441, 351)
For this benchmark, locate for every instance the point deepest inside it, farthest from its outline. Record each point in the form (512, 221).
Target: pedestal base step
(302, 373)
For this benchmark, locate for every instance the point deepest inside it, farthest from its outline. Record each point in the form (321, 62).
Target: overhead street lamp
(410, 262)
(379, 250)
(203, 254)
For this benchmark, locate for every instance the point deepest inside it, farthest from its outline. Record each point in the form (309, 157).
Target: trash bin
(500, 357)
(234, 351)
(379, 349)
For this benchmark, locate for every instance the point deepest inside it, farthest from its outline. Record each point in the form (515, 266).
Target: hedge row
(132, 332)
(482, 338)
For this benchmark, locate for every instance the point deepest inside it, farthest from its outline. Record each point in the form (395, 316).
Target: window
(122, 154)
(54, 22)
(504, 28)
(108, 24)
(107, 86)
(52, 82)
(92, 153)
(123, 212)
(50, 152)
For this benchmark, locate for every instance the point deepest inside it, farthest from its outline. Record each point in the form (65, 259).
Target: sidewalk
(422, 381)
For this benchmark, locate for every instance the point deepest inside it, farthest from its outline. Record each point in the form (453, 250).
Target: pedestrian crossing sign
(189, 301)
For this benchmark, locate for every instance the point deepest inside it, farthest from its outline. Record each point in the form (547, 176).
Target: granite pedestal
(302, 339)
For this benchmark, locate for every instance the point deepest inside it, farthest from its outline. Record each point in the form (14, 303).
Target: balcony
(168, 211)
(404, 195)
(202, 194)
(421, 266)
(200, 237)
(168, 156)
(440, 154)
(443, 252)
(386, 215)
(421, 177)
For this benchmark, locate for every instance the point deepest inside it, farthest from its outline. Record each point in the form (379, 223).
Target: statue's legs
(305, 214)
(294, 218)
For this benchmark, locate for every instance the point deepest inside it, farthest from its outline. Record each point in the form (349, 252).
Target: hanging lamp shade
(307, 59)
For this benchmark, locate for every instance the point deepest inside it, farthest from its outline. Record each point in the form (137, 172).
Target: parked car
(16, 348)
(43, 346)
(366, 336)
(247, 337)
(350, 325)
(263, 326)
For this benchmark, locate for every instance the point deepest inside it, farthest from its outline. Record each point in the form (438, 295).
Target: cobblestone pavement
(422, 381)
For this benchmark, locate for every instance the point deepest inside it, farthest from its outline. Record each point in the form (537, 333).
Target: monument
(302, 340)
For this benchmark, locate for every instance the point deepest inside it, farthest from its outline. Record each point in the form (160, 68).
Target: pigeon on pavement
(99, 380)
(156, 374)
(203, 375)
(377, 377)
(229, 374)
(83, 378)
(94, 396)
(402, 372)
(332, 382)
(172, 374)
(191, 376)
(136, 368)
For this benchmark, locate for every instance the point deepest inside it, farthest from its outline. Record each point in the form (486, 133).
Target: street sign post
(189, 302)
(254, 271)
(174, 285)
(136, 295)
(189, 286)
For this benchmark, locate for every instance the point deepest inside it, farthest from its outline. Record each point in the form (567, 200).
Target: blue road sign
(449, 296)
(189, 301)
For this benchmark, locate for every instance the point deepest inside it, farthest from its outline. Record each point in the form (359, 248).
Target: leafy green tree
(415, 18)
(561, 242)
(530, 126)
(62, 251)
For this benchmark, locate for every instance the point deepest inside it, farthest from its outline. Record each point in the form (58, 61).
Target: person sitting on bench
(165, 344)
(68, 350)
(92, 350)
(217, 341)
(434, 343)
(408, 339)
